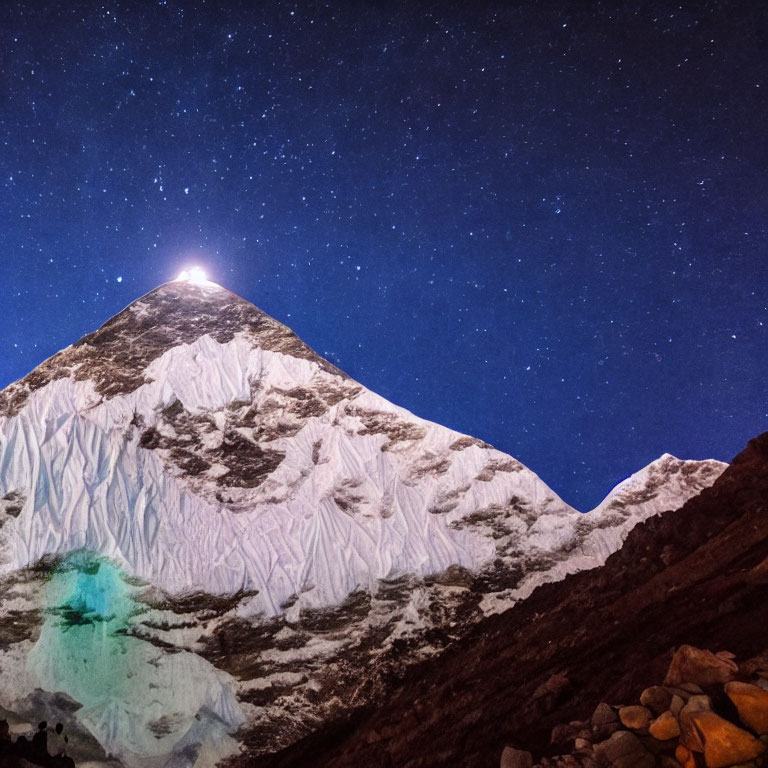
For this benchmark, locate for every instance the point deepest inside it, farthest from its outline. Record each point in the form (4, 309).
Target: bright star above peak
(194, 275)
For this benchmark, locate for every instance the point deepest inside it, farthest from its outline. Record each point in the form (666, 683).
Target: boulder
(665, 727)
(725, 744)
(751, 703)
(584, 733)
(699, 703)
(684, 756)
(694, 665)
(604, 713)
(636, 718)
(580, 743)
(689, 735)
(676, 705)
(656, 698)
(624, 750)
(515, 758)
(604, 721)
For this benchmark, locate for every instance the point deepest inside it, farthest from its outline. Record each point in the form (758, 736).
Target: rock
(604, 722)
(751, 703)
(693, 665)
(665, 727)
(676, 705)
(684, 756)
(602, 732)
(580, 743)
(624, 750)
(689, 735)
(656, 698)
(691, 688)
(679, 692)
(515, 758)
(603, 714)
(725, 744)
(757, 666)
(698, 703)
(665, 761)
(636, 717)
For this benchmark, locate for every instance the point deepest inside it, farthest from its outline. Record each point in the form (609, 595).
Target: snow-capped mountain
(212, 539)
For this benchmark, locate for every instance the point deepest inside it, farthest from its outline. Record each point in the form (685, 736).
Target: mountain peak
(116, 355)
(266, 514)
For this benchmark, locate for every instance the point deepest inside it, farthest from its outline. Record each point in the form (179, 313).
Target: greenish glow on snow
(140, 701)
(82, 646)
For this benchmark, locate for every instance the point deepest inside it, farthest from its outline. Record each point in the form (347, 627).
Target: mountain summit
(116, 356)
(259, 540)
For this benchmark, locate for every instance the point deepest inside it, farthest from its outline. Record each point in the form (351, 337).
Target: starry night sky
(543, 224)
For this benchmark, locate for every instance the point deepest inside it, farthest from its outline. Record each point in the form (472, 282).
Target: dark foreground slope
(697, 575)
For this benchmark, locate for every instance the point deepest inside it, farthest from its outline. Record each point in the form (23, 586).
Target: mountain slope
(191, 490)
(697, 575)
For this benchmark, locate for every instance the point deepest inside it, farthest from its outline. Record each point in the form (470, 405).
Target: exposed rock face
(241, 543)
(696, 576)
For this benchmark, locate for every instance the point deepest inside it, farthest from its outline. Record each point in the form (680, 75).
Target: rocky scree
(709, 712)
